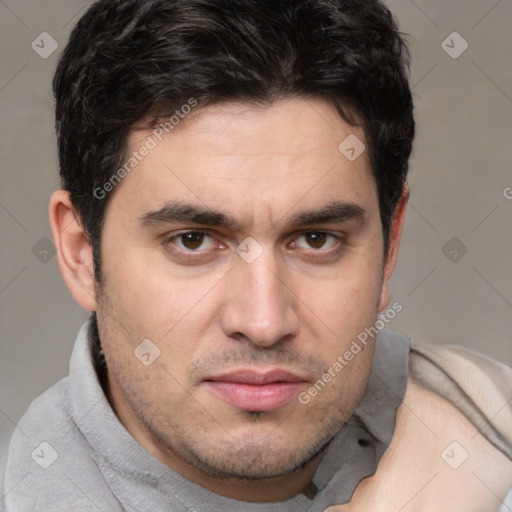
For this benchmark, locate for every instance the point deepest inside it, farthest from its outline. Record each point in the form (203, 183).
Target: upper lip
(257, 378)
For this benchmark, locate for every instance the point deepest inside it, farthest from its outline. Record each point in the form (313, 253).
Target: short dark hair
(127, 60)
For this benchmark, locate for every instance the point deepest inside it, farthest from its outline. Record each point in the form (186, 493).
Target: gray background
(460, 174)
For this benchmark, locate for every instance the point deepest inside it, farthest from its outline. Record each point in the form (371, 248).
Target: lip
(256, 391)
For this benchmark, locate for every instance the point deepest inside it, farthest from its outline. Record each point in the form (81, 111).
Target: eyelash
(189, 255)
(192, 255)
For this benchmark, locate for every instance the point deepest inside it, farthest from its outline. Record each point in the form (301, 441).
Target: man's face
(249, 250)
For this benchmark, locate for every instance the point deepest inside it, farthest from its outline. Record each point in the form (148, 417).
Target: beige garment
(452, 446)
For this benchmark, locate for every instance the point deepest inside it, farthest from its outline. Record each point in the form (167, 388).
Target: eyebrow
(334, 212)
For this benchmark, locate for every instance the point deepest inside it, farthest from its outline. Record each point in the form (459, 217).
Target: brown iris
(316, 240)
(192, 240)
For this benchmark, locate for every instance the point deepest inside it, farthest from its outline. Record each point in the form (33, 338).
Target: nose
(260, 305)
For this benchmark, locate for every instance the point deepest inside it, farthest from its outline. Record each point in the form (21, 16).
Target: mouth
(254, 391)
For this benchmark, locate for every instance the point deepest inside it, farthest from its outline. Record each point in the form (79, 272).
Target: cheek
(349, 297)
(146, 352)
(174, 313)
(343, 309)
(152, 299)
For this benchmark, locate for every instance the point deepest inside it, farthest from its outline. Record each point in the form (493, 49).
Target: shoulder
(450, 448)
(50, 465)
(476, 385)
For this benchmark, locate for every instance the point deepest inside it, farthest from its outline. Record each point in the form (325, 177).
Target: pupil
(316, 240)
(192, 240)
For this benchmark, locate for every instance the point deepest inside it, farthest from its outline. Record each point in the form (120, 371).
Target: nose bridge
(260, 306)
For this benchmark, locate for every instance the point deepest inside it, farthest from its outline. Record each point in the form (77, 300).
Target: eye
(192, 240)
(316, 240)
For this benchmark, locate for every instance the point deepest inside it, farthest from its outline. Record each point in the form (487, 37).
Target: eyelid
(175, 235)
(200, 254)
(337, 236)
(294, 236)
(330, 255)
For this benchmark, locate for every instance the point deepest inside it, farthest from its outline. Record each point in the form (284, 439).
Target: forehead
(288, 126)
(238, 156)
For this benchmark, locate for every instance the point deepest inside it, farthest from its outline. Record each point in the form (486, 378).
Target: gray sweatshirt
(69, 452)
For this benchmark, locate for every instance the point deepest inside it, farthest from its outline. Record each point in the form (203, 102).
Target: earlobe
(73, 251)
(395, 235)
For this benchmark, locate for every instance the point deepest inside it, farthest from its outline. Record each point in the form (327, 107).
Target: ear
(395, 234)
(73, 251)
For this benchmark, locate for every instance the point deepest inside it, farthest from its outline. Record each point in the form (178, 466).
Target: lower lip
(249, 397)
